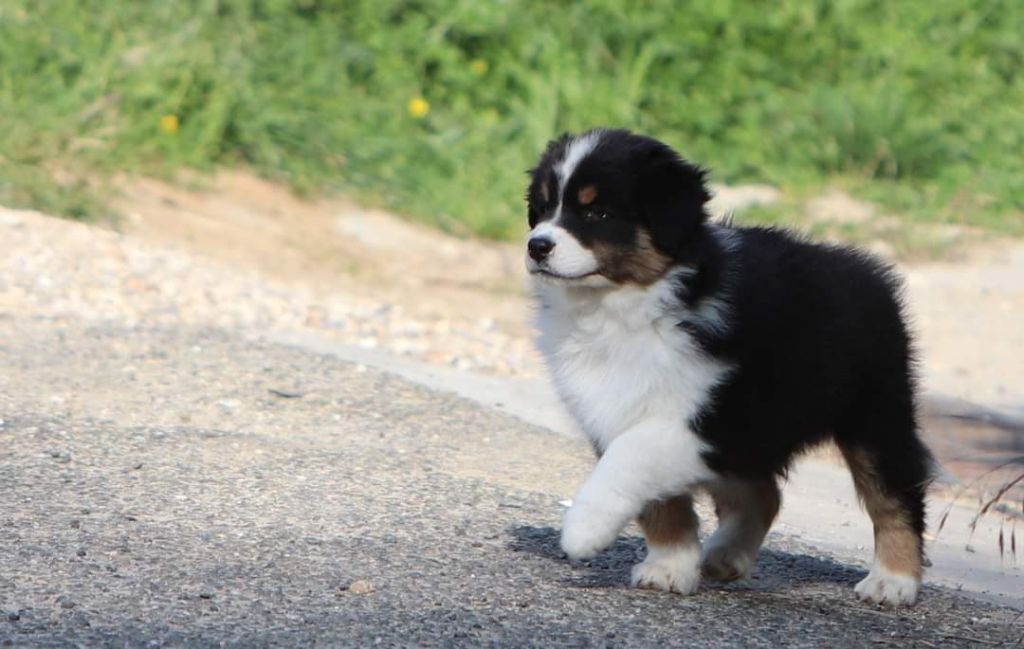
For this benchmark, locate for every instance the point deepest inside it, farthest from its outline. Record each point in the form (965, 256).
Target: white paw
(726, 563)
(586, 531)
(675, 569)
(884, 587)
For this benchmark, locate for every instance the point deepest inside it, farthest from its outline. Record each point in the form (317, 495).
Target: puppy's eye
(595, 215)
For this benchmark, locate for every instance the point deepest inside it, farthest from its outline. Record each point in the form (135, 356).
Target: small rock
(360, 587)
(229, 405)
(81, 552)
(75, 523)
(65, 602)
(285, 394)
(13, 617)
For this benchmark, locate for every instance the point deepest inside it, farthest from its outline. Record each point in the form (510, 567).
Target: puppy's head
(609, 207)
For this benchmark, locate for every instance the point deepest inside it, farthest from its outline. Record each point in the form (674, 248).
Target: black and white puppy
(701, 356)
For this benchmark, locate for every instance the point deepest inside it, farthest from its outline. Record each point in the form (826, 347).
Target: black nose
(540, 247)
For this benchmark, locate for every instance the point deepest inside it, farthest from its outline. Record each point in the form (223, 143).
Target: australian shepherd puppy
(702, 356)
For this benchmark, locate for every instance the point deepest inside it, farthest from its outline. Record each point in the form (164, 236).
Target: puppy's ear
(672, 194)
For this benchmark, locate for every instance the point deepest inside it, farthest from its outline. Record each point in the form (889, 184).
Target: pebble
(285, 394)
(360, 587)
(229, 404)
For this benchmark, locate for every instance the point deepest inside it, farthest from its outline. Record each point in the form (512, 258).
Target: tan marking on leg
(672, 563)
(669, 522)
(745, 509)
(897, 545)
(758, 499)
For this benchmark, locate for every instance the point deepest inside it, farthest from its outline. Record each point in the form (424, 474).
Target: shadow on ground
(776, 570)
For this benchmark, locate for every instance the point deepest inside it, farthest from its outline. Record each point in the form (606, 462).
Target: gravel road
(171, 477)
(176, 486)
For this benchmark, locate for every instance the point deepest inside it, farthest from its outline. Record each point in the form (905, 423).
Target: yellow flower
(169, 124)
(419, 107)
(478, 67)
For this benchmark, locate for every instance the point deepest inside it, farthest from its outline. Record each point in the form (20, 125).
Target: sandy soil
(245, 253)
(967, 311)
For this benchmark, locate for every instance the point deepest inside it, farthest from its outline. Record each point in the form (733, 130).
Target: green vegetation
(436, 107)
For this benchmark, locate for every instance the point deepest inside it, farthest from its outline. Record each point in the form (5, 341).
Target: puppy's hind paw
(888, 588)
(723, 563)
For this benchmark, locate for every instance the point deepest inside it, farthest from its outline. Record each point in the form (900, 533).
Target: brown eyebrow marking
(587, 195)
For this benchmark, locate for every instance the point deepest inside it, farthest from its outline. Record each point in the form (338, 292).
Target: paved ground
(176, 486)
(173, 473)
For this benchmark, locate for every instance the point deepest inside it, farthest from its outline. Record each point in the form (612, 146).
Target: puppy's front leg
(650, 461)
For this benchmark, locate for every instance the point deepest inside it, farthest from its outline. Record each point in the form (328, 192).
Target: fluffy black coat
(818, 340)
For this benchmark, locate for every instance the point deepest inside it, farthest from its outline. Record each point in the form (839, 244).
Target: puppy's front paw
(889, 588)
(674, 569)
(586, 531)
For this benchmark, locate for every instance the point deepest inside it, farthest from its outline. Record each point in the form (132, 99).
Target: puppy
(702, 356)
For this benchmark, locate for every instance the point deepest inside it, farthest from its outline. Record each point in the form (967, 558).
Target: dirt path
(450, 301)
(138, 425)
(246, 253)
(968, 311)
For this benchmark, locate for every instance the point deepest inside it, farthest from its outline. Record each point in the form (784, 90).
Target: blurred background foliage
(435, 108)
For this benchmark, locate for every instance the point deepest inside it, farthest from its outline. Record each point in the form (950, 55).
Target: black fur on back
(819, 349)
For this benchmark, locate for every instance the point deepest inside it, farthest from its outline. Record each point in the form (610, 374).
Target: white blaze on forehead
(578, 149)
(569, 258)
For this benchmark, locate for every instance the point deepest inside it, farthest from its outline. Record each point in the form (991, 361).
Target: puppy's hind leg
(746, 509)
(891, 470)
(673, 547)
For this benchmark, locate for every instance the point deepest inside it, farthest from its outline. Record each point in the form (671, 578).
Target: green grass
(918, 105)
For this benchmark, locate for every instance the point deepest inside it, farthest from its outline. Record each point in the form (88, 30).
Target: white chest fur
(618, 358)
